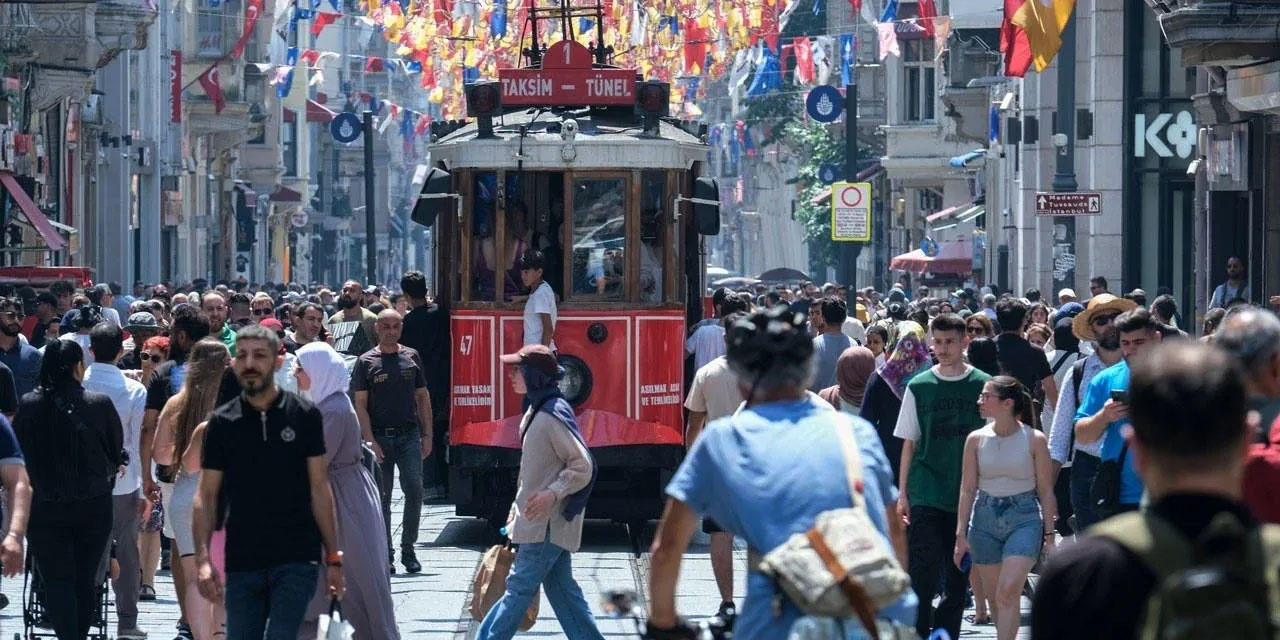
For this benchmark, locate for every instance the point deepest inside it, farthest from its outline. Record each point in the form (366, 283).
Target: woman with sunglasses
(154, 351)
(1007, 468)
(979, 325)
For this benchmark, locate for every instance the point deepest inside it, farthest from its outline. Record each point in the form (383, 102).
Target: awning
(953, 257)
(285, 194)
(316, 112)
(33, 213)
(866, 174)
(962, 161)
(963, 212)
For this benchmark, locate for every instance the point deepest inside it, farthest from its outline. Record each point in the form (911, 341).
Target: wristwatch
(333, 559)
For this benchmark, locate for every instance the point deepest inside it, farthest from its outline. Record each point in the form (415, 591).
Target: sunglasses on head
(1102, 321)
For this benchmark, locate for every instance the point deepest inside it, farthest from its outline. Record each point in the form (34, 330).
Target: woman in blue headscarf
(556, 473)
(323, 379)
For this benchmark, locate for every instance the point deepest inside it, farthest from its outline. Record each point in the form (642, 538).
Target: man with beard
(426, 330)
(267, 438)
(307, 326)
(215, 306)
(352, 339)
(22, 359)
(142, 326)
(239, 315)
(1098, 327)
(34, 326)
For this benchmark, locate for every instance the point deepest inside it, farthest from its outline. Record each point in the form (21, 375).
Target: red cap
(538, 356)
(272, 324)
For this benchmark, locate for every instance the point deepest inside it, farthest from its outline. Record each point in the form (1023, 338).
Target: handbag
(490, 583)
(1104, 492)
(841, 567)
(332, 626)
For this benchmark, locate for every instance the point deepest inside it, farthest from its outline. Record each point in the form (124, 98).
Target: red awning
(285, 194)
(942, 213)
(317, 112)
(953, 257)
(37, 218)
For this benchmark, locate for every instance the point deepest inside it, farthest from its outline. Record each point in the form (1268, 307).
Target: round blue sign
(824, 103)
(345, 127)
(828, 173)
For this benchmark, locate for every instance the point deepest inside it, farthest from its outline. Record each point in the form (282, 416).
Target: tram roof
(604, 141)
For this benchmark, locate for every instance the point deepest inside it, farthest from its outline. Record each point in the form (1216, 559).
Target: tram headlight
(653, 98)
(484, 99)
(577, 382)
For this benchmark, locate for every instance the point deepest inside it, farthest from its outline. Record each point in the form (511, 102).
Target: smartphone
(1120, 396)
(966, 562)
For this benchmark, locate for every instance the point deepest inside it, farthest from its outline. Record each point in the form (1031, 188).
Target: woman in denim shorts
(1007, 467)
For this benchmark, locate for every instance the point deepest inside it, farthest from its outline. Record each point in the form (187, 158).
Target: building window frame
(289, 146)
(919, 80)
(209, 29)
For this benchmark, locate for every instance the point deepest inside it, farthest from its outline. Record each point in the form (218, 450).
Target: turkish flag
(804, 60)
(928, 11)
(321, 20)
(311, 57)
(252, 11)
(209, 80)
(1013, 42)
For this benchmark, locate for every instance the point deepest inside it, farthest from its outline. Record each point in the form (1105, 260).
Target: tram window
(653, 236)
(484, 257)
(599, 237)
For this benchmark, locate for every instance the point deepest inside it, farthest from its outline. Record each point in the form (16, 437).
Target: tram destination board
(567, 79)
(1075, 203)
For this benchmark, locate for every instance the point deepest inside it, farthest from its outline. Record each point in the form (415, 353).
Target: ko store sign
(1164, 135)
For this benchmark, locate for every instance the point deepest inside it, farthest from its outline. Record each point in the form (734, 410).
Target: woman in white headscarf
(323, 379)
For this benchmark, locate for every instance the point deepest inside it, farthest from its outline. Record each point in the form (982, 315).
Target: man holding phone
(1104, 412)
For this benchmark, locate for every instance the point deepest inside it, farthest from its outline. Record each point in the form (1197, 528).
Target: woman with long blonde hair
(179, 444)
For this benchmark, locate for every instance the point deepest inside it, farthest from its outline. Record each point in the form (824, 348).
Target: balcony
(1224, 34)
(922, 151)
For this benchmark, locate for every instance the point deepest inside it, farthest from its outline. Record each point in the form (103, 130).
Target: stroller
(34, 617)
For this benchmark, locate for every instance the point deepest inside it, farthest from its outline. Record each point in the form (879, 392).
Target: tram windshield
(600, 243)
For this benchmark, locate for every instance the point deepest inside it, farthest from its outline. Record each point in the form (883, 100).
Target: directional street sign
(1077, 203)
(824, 103)
(851, 212)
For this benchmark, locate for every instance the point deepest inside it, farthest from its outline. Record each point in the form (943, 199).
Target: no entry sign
(851, 212)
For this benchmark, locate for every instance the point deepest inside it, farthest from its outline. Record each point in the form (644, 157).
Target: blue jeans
(1084, 468)
(269, 604)
(403, 451)
(547, 565)
(1005, 526)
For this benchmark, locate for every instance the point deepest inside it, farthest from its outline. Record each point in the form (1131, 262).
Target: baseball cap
(47, 298)
(1067, 293)
(272, 324)
(142, 321)
(538, 356)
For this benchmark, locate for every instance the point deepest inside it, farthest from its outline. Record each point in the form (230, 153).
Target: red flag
(373, 65)
(421, 127)
(804, 60)
(928, 11)
(252, 10)
(856, 5)
(175, 86)
(310, 56)
(209, 80)
(1013, 42)
(695, 48)
(321, 20)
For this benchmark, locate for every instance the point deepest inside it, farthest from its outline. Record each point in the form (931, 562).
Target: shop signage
(567, 79)
(1076, 203)
(1164, 135)
(851, 212)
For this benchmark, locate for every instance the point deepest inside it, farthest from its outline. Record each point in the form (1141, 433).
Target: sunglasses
(975, 330)
(10, 314)
(147, 357)
(1102, 321)
(262, 312)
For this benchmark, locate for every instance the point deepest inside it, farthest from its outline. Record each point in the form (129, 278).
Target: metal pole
(1064, 178)
(370, 233)
(852, 249)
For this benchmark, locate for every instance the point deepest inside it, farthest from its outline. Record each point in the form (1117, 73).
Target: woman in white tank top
(1007, 468)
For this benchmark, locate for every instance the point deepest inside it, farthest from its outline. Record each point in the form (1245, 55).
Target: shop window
(209, 17)
(599, 238)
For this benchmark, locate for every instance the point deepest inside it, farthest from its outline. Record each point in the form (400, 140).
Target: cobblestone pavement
(433, 604)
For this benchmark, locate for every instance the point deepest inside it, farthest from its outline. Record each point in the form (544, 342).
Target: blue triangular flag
(498, 20)
(847, 48)
(768, 75)
(585, 25)
(890, 11)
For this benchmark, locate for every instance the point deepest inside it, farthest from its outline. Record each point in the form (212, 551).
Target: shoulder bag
(841, 567)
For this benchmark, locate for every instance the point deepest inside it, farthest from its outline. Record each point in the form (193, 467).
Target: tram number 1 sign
(851, 212)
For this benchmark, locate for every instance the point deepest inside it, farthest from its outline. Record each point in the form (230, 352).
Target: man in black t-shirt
(426, 330)
(1020, 358)
(394, 408)
(264, 459)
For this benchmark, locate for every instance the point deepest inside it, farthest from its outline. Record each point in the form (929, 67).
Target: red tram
(579, 159)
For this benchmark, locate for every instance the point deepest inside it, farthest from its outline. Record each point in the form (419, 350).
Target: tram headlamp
(653, 98)
(569, 129)
(484, 99)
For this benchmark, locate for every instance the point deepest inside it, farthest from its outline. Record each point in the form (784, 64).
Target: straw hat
(1082, 325)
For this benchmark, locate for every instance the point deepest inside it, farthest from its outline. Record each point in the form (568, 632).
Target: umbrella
(736, 282)
(717, 272)
(783, 274)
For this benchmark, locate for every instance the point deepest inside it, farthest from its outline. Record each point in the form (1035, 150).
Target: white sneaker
(131, 634)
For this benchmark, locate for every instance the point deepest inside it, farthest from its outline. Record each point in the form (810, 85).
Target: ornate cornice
(52, 85)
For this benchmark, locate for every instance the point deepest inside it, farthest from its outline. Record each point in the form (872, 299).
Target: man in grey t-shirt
(827, 318)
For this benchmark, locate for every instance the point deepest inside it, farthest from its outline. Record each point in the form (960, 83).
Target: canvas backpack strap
(856, 594)
(1161, 547)
(852, 463)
